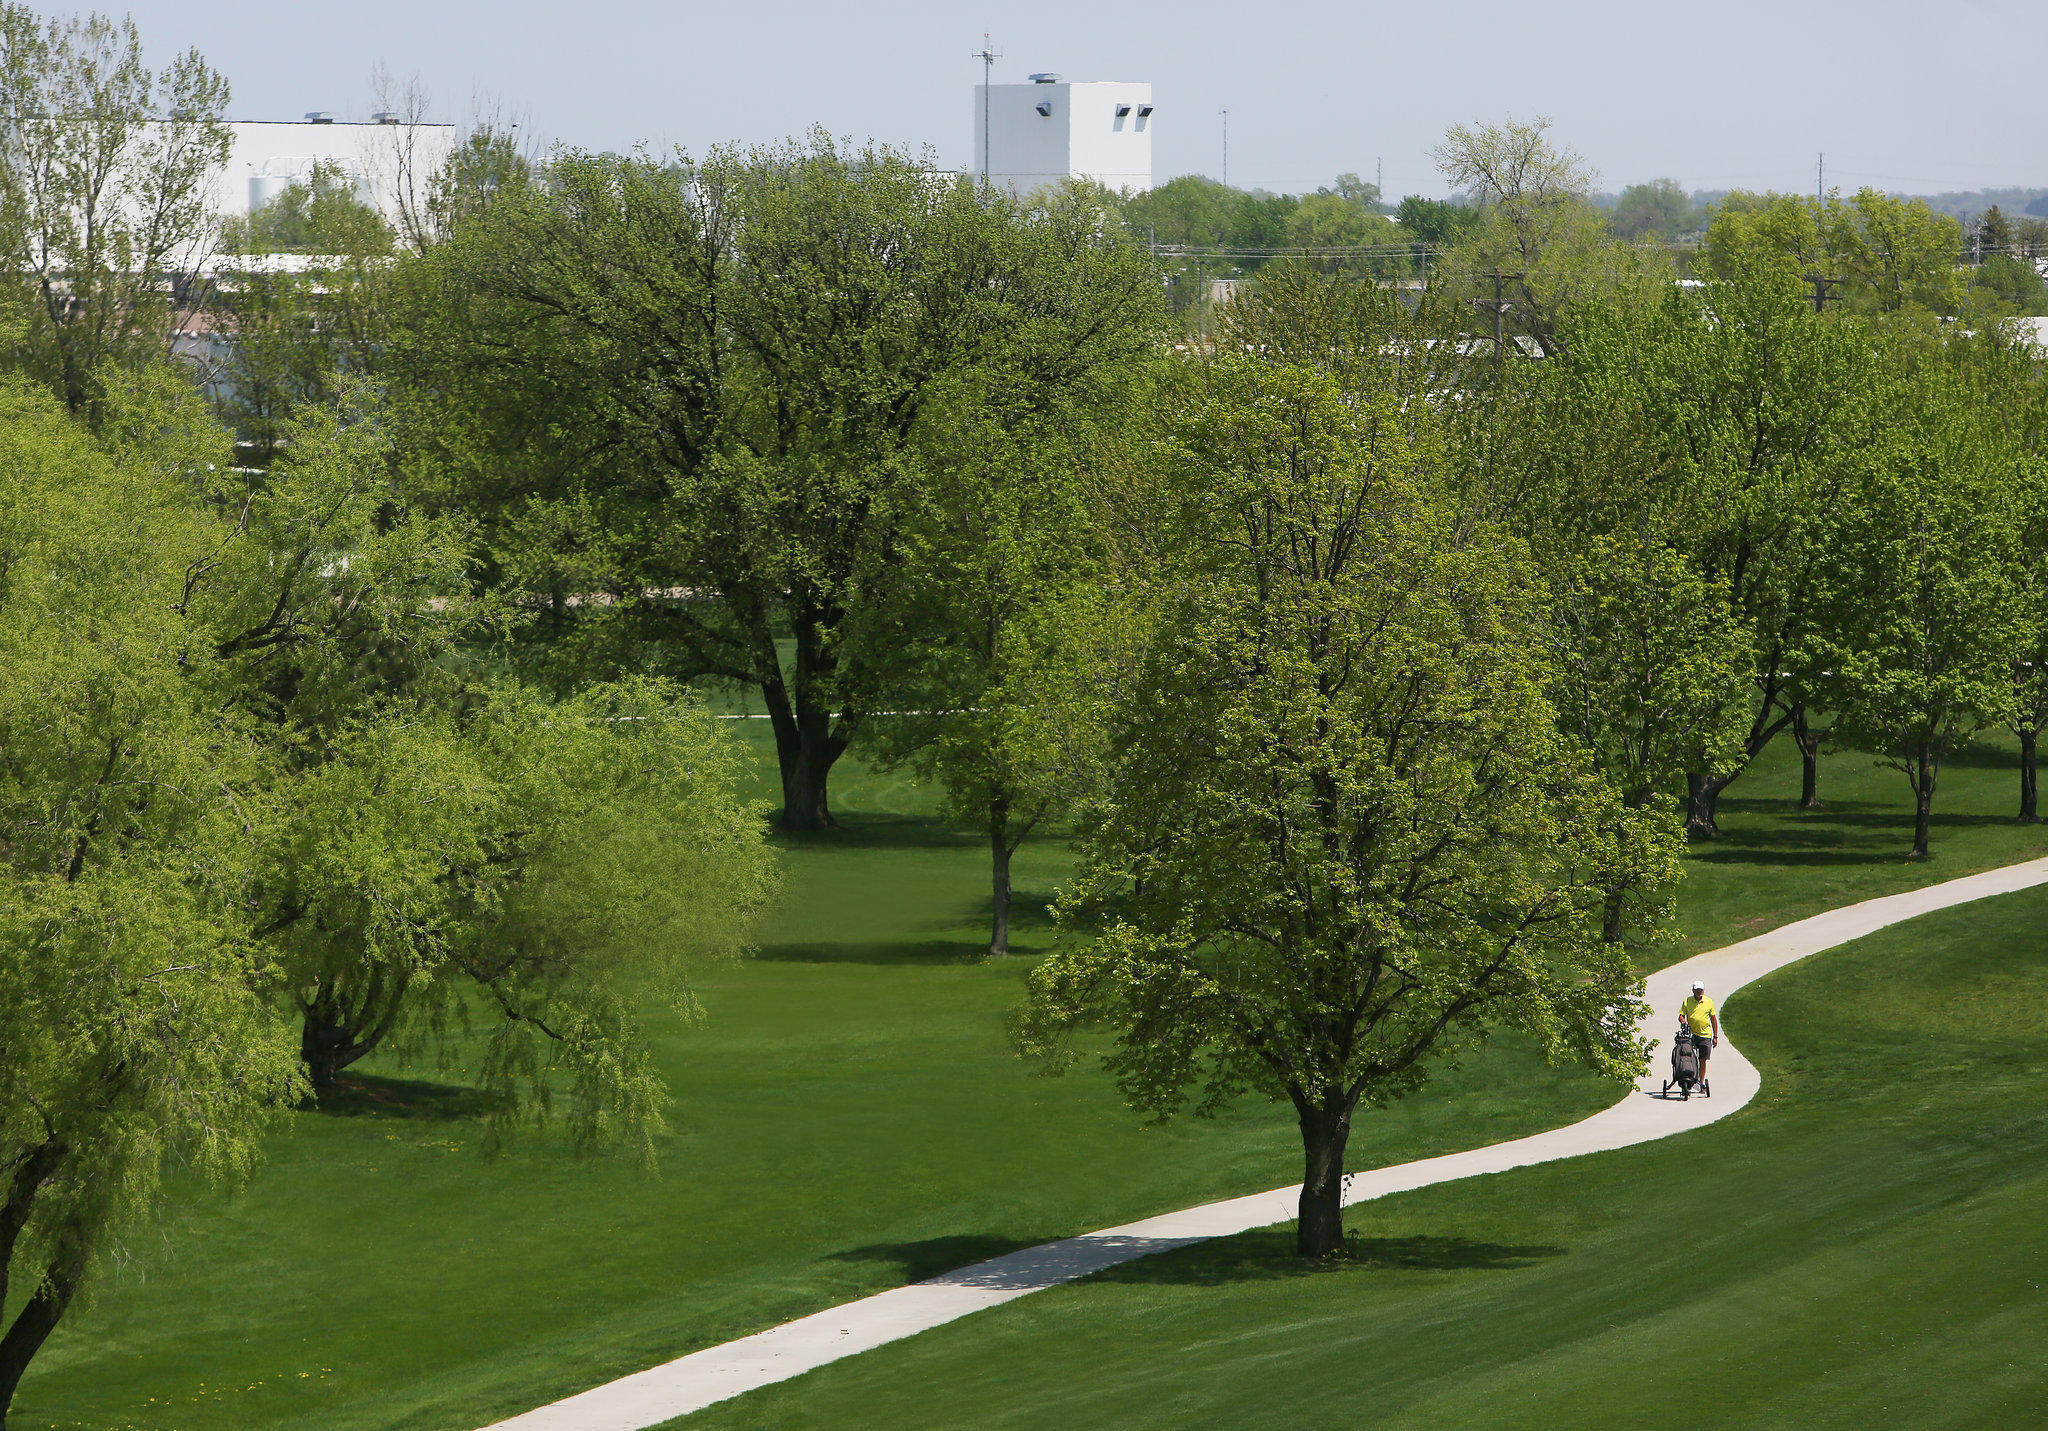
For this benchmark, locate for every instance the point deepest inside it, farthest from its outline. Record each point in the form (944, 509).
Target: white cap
(1698, 987)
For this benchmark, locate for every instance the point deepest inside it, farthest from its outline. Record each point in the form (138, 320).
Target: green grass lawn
(848, 1118)
(1864, 1246)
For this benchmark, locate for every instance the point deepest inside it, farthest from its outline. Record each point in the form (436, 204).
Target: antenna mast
(988, 54)
(1226, 146)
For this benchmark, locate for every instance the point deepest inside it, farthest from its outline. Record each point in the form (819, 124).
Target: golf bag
(1685, 1064)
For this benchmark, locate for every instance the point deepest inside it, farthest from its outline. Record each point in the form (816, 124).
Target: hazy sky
(1918, 96)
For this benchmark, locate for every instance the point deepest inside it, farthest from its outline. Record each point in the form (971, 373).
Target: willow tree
(1343, 836)
(136, 1031)
(235, 798)
(684, 401)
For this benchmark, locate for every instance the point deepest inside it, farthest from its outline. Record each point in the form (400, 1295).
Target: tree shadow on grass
(411, 1099)
(916, 1261)
(927, 952)
(1268, 1256)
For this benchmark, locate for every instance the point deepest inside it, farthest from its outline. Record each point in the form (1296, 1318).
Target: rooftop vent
(387, 116)
(1047, 78)
(319, 116)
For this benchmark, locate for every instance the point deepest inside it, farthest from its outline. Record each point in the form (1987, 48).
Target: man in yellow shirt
(1704, 1021)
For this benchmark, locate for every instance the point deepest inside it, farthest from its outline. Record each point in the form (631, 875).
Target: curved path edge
(690, 1383)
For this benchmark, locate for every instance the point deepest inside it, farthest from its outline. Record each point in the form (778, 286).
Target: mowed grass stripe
(1864, 1245)
(849, 1118)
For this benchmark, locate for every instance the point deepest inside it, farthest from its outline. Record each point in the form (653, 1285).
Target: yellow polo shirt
(1698, 1013)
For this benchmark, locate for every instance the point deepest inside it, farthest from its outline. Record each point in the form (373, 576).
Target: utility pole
(1226, 146)
(988, 55)
(1821, 285)
(1379, 179)
(1498, 306)
(1820, 178)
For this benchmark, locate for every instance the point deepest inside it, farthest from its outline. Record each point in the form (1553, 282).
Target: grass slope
(1863, 1246)
(848, 1118)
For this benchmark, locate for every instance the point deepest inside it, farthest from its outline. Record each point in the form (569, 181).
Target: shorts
(1703, 1045)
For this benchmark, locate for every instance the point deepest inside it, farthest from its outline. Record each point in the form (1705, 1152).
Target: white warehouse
(1051, 130)
(388, 161)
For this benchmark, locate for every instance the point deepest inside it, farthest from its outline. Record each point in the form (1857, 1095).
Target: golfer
(1704, 1022)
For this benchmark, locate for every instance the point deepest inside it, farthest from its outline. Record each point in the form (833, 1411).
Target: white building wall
(383, 159)
(1082, 136)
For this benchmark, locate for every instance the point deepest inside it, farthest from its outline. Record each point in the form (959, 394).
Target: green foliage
(1538, 228)
(1894, 255)
(249, 784)
(1924, 614)
(135, 808)
(103, 184)
(1722, 425)
(1659, 209)
(1343, 834)
(2015, 284)
(301, 280)
(701, 390)
(1435, 221)
(1199, 212)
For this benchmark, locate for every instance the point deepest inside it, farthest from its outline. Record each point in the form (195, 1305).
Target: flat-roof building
(1051, 130)
(389, 161)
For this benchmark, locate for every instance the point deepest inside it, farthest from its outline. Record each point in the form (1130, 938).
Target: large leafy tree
(1923, 612)
(1722, 424)
(1343, 833)
(1538, 244)
(1890, 255)
(235, 798)
(437, 804)
(685, 401)
(135, 1029)
(104, 180)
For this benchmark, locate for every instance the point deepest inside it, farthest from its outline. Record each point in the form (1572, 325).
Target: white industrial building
(388, 161)
(1029, 136)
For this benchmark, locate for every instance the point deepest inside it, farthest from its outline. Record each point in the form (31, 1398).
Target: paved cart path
(698, 1380)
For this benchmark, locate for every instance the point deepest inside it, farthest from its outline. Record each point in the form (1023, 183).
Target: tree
(1326, 220)
(1656, 210)
(103, 186)
(1924, 614)
(135, 1030)
(1893, 255)
(1651, 666)
(1537, 225)
(1004, 627)
(1355, 190)
(698, 393)
(301, 305)
(1437, 222)
(1724, 423)
(1343, 834)
(438, 810)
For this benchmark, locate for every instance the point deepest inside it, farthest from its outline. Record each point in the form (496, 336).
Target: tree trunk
(805, 744)
(1808, 741)
(1325, 1127)
(2030, 792)
(999, 858)
(343, 1025)
(1928, 769)
(37, 1319)
(1702, 796)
